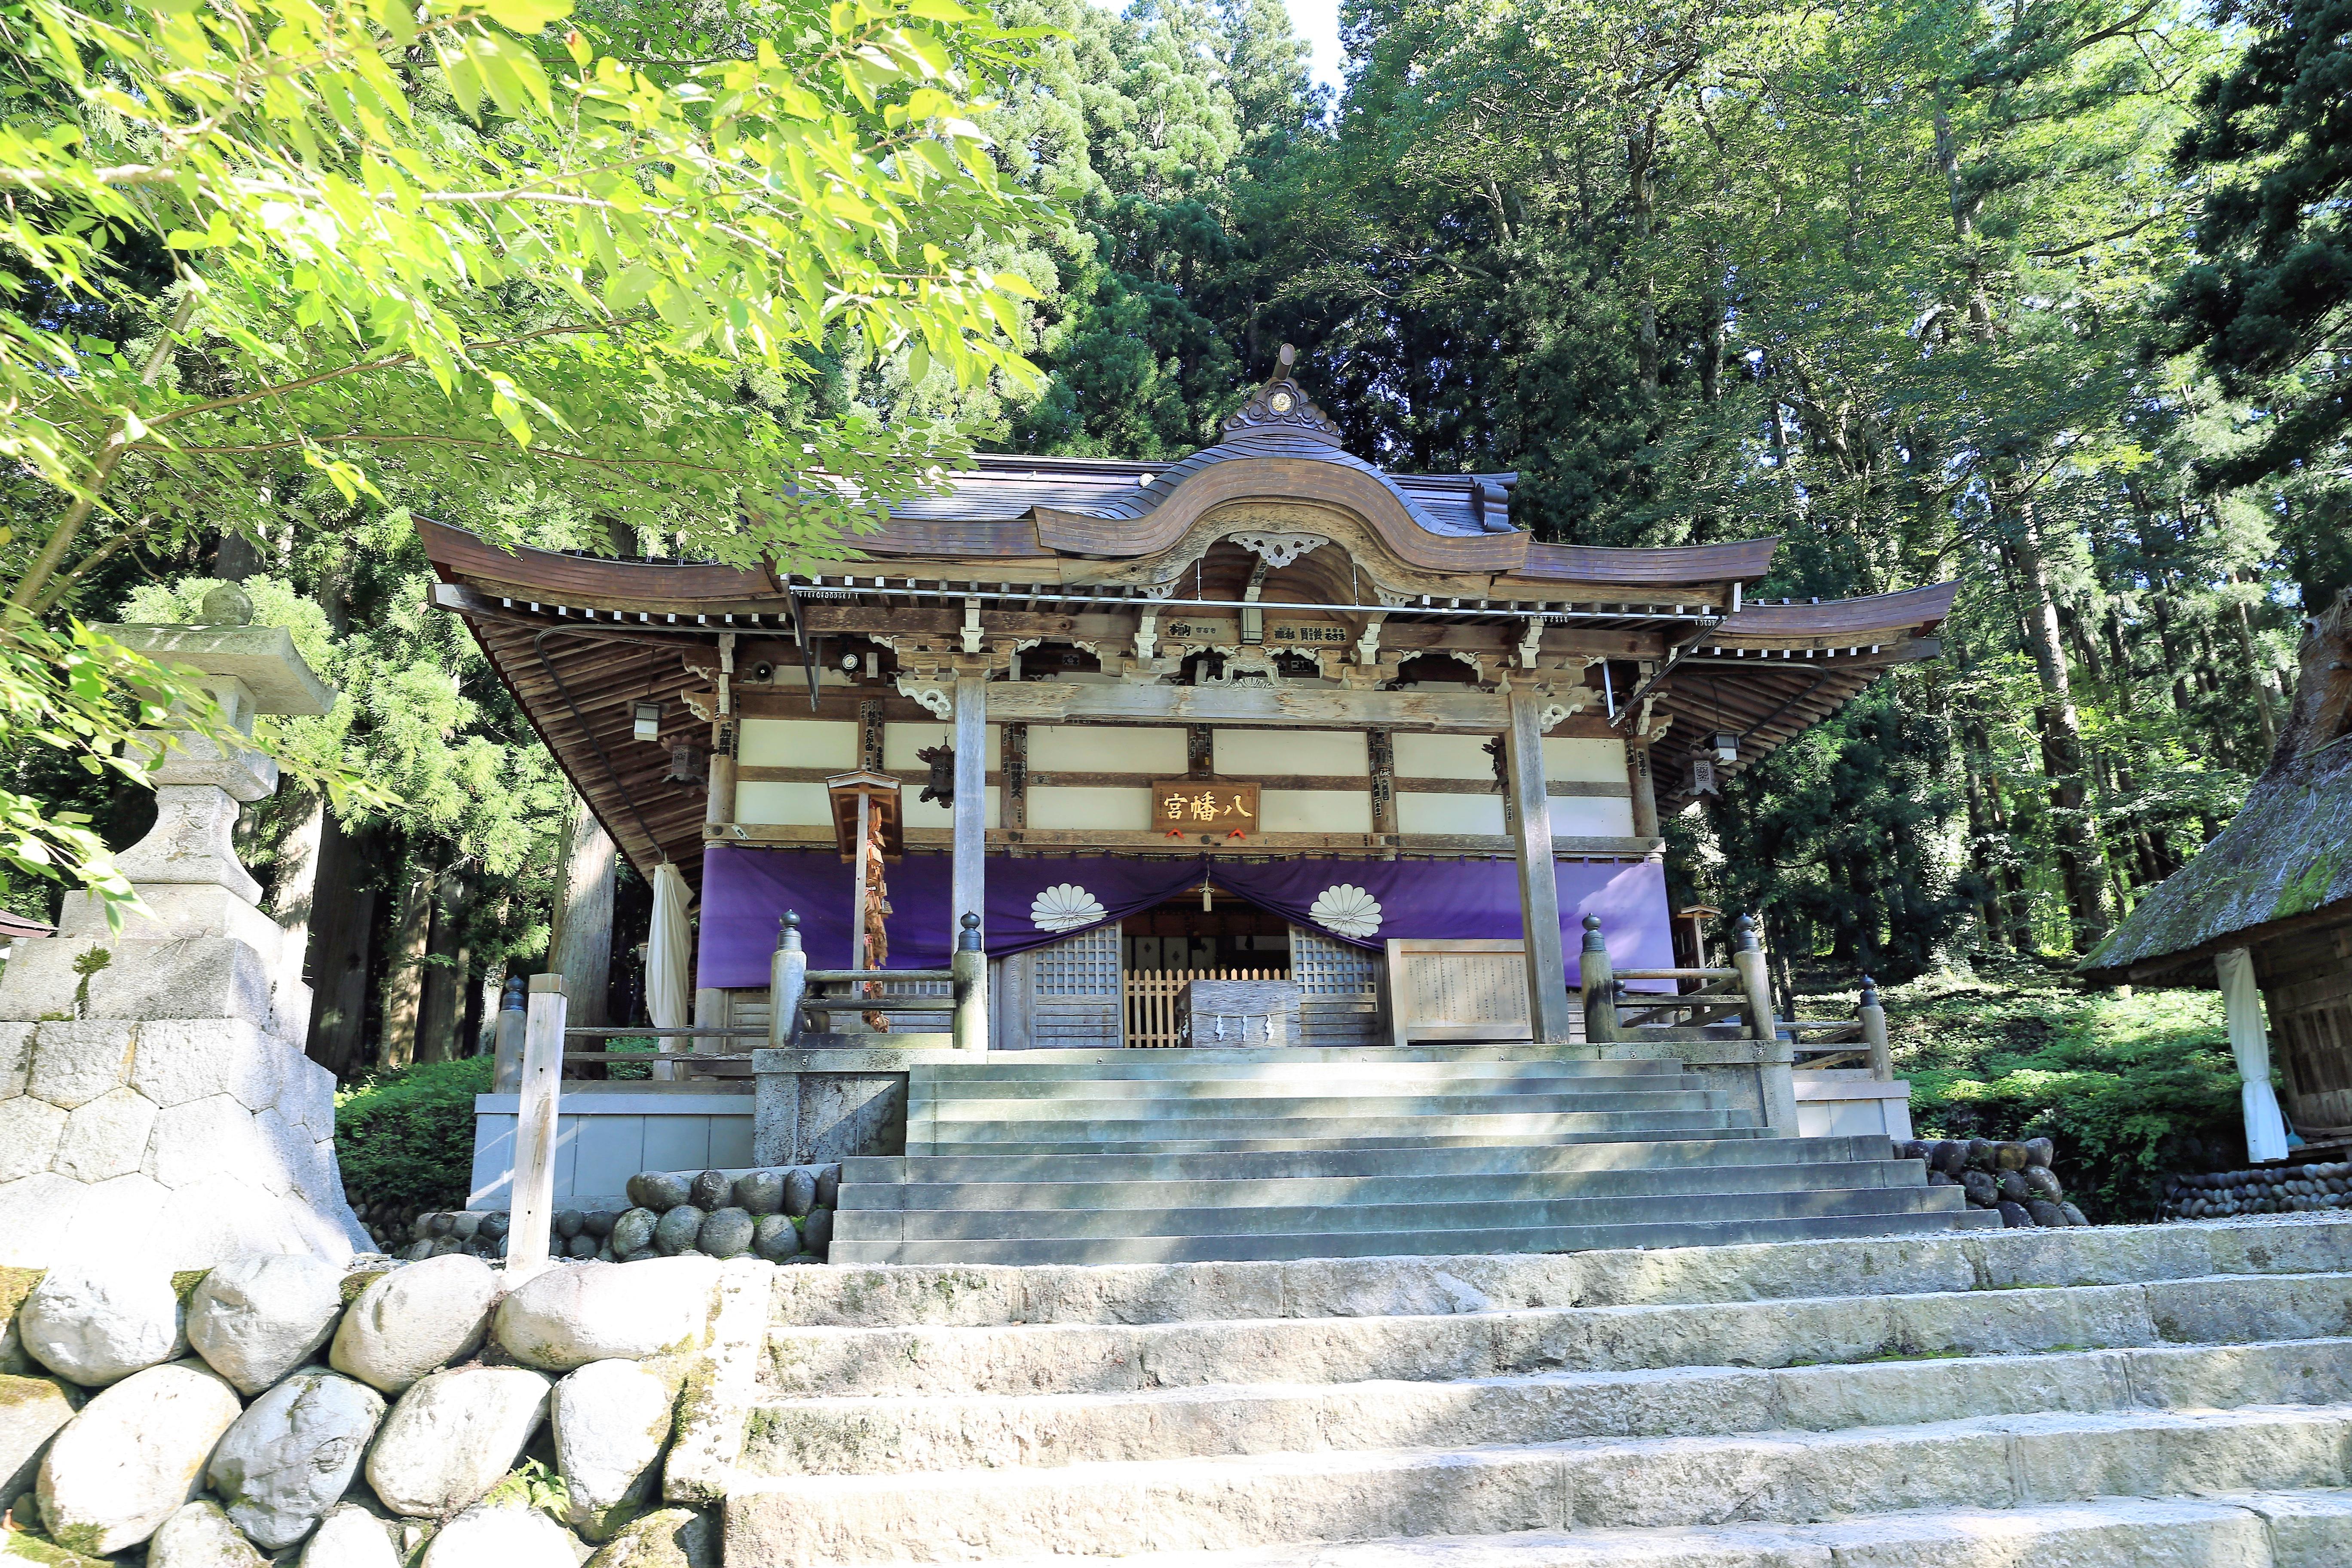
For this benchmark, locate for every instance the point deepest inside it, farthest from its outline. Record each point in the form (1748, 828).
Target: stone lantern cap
(261, 658)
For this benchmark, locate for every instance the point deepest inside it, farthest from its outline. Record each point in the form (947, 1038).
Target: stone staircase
(1198, 1155)
(2176, 1396)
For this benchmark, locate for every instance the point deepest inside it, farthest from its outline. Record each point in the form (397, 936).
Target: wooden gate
(1151, 999)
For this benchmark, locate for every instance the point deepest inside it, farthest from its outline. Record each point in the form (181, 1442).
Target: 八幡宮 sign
(1203, 805)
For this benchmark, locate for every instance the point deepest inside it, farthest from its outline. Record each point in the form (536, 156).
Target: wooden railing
(799, 994)
(1151, 1000)
(1741, 991)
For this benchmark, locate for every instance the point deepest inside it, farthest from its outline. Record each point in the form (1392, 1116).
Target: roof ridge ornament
(1283, 404)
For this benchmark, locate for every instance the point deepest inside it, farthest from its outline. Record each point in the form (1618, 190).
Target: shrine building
(1266, 713)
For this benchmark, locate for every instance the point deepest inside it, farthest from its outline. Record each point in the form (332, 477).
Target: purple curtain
(1032, 902)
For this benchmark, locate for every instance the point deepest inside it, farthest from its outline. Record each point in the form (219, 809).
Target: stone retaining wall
(783, 1214)
(2268, 1189)
(282, 1408)
(2013, 1177)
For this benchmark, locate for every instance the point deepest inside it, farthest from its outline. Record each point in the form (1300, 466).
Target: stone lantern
(154, 1096)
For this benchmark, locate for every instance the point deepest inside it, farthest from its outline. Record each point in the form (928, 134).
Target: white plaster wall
(901, 741)
(786, 804)
(603, 1139)
(1591, 817)
(1249, 754)
(1315, 810)
(1444, 757)
(1449, 813)
(1587, 762)
(1104, 749)
(916, 812)
(797, 743)
(1061, 807)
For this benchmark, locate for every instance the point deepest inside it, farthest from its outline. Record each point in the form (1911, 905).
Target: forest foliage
(2045, 298)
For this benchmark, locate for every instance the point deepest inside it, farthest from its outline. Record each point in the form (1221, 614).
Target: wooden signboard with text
(1205, 805)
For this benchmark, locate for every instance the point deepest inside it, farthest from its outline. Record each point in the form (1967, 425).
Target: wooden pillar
(1015, 810)
(1547, 1010)
(1872, 1015)
(719, 806)
(970, 880)
(535, 1129)
(1646, 793)
(580, 947)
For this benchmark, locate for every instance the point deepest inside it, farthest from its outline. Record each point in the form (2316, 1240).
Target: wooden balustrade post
(1754, 978)
(1874, 1032)
(1599, 981)
(970, 969)
(787, 983)
(533, 1213)
(1775, 1084)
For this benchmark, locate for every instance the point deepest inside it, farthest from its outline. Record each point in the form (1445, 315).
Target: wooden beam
(940, 840)
(1462, 712)
(1561, 789)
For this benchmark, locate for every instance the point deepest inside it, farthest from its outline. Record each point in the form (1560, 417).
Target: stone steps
(849, 1435)
(1719, 1128)
(1174, 1071)
(1136, 1214)
(868, 1175)
(2248, 1529)
(1096, 1358)
(1100, 1190)
(1371, 1120)
(1440, 1149)
(1539, 1099)
(1811, 1213)
(2176, 1397)
(1779, 1477)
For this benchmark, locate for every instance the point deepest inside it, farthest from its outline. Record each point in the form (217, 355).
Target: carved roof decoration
(1283, 404)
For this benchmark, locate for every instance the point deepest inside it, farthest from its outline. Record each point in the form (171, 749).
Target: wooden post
(1547, 1014)
(857, 882)
(1874, 1032)
(787, 983)
(1755, 979)
(1646, 793)
(970, 968)
(969, 879)
(1775, 1086)
(1600, 983)
(534, 1173)
(506, 1055)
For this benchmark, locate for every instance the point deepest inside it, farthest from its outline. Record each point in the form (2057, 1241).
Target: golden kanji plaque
(1205, 805)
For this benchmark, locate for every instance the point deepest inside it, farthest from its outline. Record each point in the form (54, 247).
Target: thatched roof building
(2276, 885)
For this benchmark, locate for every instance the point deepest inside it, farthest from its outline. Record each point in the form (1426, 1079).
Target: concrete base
(185, 1141)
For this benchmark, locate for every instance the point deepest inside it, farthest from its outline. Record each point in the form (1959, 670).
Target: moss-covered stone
(18, 1546)
(16, 1284)
(667, 1538)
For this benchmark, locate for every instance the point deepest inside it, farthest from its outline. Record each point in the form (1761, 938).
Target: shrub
(407, 1136)
(2129, 1089)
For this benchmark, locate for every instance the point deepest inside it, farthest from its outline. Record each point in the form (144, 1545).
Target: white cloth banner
(2241, 1007)
(669, 955)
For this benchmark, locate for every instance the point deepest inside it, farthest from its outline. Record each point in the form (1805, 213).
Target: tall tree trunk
(340, 926)
(2258, 675)
(404, 980)
(1640, 153)
(443, 975)
(292, 886)
(2061, 728)
(580, 948)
